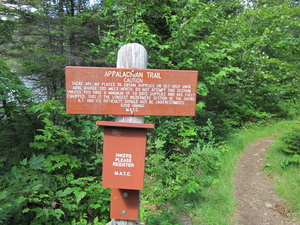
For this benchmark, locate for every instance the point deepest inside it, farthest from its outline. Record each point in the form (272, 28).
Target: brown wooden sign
(124, 154)
(139, 92)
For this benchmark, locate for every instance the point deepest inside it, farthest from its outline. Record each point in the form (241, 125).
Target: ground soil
(256, 201)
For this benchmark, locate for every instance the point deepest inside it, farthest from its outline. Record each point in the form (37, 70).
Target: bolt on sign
(139, 92)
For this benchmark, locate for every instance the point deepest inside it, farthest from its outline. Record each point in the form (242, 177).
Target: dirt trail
(256, 202)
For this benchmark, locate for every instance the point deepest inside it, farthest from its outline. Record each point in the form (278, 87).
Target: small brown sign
(124, 155)
(139, 92)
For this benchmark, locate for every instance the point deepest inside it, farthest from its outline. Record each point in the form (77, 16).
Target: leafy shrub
(291, 142)
(61, 182)
(38, 191)
(165, 218)
(181, 160)
(180, 179)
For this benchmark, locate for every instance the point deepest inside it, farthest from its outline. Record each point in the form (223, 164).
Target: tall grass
(286, 177)
(219, 204)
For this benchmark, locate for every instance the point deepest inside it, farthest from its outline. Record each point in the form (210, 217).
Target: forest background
(247, 54)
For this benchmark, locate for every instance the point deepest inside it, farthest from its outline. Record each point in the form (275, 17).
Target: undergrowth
(283, 164)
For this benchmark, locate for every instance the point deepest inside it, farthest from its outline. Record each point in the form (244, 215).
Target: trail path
(256, 202)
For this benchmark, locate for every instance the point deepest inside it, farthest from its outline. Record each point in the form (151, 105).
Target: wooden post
(133, 56)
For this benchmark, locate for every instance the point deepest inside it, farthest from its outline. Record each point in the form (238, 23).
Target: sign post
(130, 92)
(129, 56)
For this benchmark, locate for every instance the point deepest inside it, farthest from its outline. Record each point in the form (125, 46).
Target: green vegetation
(284, 166)
(291, 142)
(51, 163)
